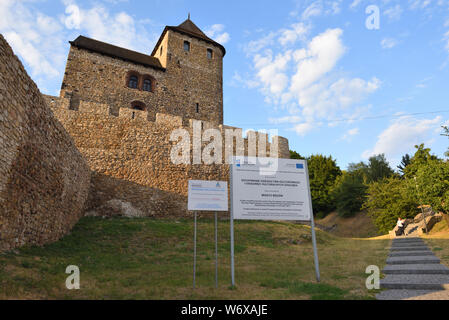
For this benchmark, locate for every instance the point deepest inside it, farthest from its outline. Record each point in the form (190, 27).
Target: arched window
(147, 85)
(133, 82)
(138, 105)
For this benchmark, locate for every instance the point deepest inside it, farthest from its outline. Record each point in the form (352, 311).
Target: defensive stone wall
(131, 157)
(44, 179)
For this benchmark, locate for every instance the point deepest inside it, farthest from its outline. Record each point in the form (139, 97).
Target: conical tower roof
(191, 29)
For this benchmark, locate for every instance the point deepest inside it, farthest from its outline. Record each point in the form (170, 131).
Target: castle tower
(183, 76)
(194, 64)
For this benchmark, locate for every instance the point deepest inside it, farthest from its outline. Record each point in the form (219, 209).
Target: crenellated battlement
(249, 138)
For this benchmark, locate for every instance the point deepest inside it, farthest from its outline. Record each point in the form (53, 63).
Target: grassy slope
(438, 241)
(152, 259)
(358, 226)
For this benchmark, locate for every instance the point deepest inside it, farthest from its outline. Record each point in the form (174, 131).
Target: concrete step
(413, 294)
(409, 248)
(410, 240)
(408, 244)
(403, 243)
(415, 281)
(411, 253)
(413, 260)
(415, 269)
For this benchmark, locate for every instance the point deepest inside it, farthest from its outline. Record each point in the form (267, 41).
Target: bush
(431, 186)
(387, 200)
(349, 194)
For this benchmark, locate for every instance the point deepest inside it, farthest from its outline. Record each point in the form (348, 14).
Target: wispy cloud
(217, 33)
(403, 134)
(388, 43)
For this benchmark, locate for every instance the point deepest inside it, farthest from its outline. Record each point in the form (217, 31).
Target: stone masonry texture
(102, 146)
(189, 79)
(44, 180)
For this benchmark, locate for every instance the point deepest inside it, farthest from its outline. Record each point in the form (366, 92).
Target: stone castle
(103, 146)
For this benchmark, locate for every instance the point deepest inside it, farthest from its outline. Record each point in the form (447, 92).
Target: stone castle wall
(44, 180)
(130, 156)
(189, 78)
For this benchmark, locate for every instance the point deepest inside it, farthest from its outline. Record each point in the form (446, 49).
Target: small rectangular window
(161, 50)
(186, 46)
(197, 108)
(209, 53)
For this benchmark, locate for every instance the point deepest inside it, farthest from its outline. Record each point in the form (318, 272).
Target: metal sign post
(231, 225)
(207, 196)
(194, 251)
(312, 226)
(216, 250)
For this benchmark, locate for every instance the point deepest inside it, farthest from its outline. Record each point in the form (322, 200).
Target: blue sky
(311, 69)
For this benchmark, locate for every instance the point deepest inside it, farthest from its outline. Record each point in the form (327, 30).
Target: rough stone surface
(190, 78)
(131, 158)
(44, 179)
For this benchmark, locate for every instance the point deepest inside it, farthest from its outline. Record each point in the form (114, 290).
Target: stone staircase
(413, 272)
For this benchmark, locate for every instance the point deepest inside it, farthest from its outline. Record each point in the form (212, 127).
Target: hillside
(358, 226)
(146, 258)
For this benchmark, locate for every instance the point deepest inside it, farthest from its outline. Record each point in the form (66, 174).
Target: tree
(406, 160)
(387, 200)
(446, 133)
(323, 171)
(421, 157)
(378, 168)
(295, 155)
(349, 193)
(431, 186)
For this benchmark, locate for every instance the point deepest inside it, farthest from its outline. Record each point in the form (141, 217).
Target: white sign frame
(207, 195)
(270, 189)
(269, 164)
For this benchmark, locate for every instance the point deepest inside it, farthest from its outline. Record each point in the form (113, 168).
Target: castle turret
(194, 65)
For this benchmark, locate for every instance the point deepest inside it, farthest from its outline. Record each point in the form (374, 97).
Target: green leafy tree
(378, 168)
(323, 171)
(431, 186)
(446, 133)
(387, 200)
(421, 157)
(349, 193)
(406, 160)
(295, 155)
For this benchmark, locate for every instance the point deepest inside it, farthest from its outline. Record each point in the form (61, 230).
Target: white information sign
(270, 189)
(207, 195)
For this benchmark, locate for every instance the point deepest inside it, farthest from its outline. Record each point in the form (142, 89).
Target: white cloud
(290, 36)
(303, 128)
(287, 119)
(355, 4)
(35, 37)
(394, 13)
(314, 9)
(216, 32)
(419, 4)
(388, 43)
(99, 23)
(403, 134)
(350, 133)
(304, 80)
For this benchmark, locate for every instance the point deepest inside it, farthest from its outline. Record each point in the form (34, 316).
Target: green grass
(153, 259)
